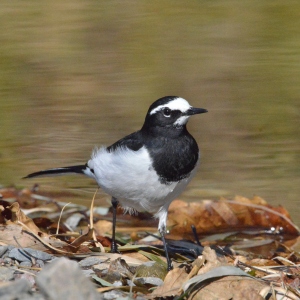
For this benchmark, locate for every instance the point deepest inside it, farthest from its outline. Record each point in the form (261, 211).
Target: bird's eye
(167, 112)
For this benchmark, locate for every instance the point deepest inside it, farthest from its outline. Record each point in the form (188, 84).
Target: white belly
(128, 176)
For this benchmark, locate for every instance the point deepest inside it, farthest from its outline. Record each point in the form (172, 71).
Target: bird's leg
(169, 263)
(114, 247)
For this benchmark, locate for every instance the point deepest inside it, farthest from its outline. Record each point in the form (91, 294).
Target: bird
(147, 169)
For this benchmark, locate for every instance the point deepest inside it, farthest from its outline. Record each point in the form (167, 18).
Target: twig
(60, 215)
(98, 244)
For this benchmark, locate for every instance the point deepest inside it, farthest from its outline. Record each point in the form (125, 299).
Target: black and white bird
(148, 169)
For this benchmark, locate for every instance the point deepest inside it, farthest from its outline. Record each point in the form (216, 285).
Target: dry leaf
(83, 238)
(172, 284)
(15, 235)
(230, 287)
(19, 216)
(214, 216)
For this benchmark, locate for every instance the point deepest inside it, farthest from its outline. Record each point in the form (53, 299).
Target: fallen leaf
(229, 287)
(172, 284)
(19, 216)
(213, 274)
(210, 216)
(15, 235)
(83, 238)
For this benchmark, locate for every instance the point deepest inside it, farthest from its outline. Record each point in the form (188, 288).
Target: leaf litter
(228, 249)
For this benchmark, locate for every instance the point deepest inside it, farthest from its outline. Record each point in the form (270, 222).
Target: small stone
(40, 263)
(3, 250)
(15, 289)
(87, 273)
(90, 261)
(117, 283)
(115, 294)
(27, 254)
(25, 264)
(63, 279)
(8, 261)
(153, 281)
(25, 276)
(6, 274)
(101, 267)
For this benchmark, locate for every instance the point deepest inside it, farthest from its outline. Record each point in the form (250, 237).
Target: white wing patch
(176, 104)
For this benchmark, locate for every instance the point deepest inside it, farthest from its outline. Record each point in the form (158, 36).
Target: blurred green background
(79, 74)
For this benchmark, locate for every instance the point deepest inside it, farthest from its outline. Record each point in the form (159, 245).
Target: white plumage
(129, 176)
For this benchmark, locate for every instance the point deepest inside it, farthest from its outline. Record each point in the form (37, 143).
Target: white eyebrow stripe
(176, 104)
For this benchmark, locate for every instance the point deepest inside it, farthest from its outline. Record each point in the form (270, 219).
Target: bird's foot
(114, 247)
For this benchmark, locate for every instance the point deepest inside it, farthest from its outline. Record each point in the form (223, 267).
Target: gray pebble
(87, 273)
(154, 281)
(7, 261)
(25, 264)
(63, 279)
(14, 289)
(27, 254)
(3, 249)
(90, 261)
(40, 263)
(6, 274)
(114, 294)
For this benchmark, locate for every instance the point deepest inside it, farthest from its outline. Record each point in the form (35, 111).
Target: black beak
(195, 111)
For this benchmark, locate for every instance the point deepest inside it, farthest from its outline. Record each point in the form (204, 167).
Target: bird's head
(170, 112)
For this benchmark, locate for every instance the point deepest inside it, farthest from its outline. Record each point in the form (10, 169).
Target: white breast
(128, 176)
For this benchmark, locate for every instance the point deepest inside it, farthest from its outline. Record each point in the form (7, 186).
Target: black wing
(132, 141)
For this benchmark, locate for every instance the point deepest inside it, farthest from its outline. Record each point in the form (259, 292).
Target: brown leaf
(13, 234)
(230, 287)
(83, 238)
(21, 231)
(172, 284)
(227, 215)
(19, 216)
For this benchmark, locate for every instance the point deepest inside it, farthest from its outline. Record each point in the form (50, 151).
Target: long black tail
(79, 169)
